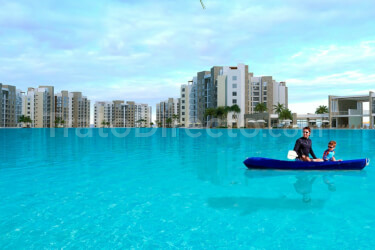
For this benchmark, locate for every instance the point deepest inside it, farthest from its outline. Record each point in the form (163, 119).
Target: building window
(234, 94)
(183, 113)
(234, 78)
(234, 85)
(183, 119)
(234, 101)
(182, 107)
(183, 95)
(183, 89)
(183, 101)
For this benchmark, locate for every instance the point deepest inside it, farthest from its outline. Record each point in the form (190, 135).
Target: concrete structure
(8, 106)
(167, 110)
(351, 111)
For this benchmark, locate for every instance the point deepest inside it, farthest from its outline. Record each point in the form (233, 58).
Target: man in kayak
(303, 147)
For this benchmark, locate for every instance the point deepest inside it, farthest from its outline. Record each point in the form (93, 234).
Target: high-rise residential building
(231, 90)
(63, 108)
(228, 86)
(39, 105)
(80, 111)
(19, 97)
(8, 106)
(137, 115)
(206, 92)
(102, 114)
(265, 90)
(120, 114)
(188, 109)
(168, 110)
(48, 106)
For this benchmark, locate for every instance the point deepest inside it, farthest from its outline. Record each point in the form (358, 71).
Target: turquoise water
(171, 190)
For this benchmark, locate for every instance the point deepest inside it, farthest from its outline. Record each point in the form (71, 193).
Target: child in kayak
(328, 155)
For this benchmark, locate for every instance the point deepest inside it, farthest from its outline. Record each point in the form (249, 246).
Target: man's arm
(312, 153)
(297, 146)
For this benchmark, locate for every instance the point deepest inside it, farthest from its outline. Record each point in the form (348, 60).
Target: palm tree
(151, 124)
(286, 114)
(202, 4)
(220, 112)
(25, 119)
(141, 121)
(175, 118)
(260, 107)
(278, 108)
(168, 121)
(322, 109)
(236, 109)
(210, 112)
(104, 123)
(159, 124)
(59, 121)
(107, 123)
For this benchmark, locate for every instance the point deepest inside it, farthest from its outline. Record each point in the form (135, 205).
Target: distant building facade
(168, 111)
(357, 111)
(73, 109)
(225, 86)
(8, 106)
(39, 105)
(120, 114)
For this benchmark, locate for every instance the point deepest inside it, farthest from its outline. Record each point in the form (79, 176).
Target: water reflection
(302, 183)
(249, 205)
(304, 180)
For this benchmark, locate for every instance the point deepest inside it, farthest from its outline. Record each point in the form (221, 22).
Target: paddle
(292, 155)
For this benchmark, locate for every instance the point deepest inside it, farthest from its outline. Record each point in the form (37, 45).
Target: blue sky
(144, 50)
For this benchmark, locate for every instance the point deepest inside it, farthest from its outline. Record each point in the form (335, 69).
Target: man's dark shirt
(304, 147)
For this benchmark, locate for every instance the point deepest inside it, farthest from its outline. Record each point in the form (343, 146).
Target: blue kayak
(266, 163)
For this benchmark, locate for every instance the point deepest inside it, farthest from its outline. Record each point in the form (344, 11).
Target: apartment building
(8, 106)
(231, 90)
(265, 90)
(120, 114)
(169, 109)
(39, 105)
(80, 111)
(185, 91)
(63, 108)
(102, 114)
(19, 97)
(137, 115)
(206, 92)
(228, 86)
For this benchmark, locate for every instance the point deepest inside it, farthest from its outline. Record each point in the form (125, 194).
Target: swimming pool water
(175, 189)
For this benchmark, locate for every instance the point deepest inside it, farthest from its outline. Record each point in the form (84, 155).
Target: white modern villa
(352, 111)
